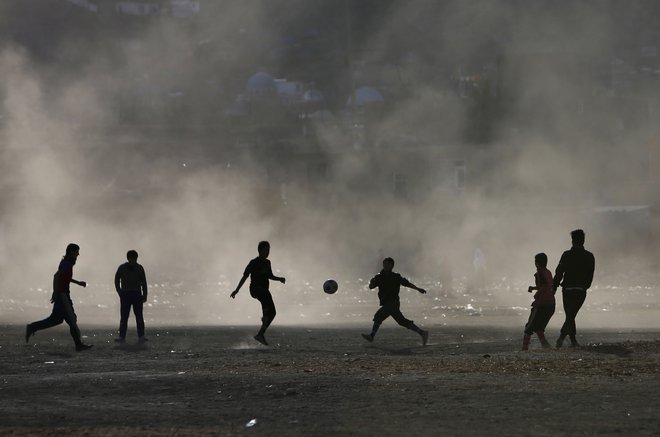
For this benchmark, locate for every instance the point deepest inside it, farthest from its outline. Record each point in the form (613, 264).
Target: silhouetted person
(389, 284)
(574, 273)
(61, 300)
(260, 273)
(131, 286)
(543, 306)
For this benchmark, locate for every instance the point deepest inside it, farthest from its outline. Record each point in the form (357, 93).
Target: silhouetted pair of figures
(574, 274)
(260, 272)
(130, 284)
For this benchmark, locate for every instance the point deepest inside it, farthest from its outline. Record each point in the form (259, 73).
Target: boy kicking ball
(389, 284)
(260, 273)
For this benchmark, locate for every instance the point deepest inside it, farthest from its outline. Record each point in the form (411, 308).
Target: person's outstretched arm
(81, 283)
(240, 284)
(407, 283)
(281, 279)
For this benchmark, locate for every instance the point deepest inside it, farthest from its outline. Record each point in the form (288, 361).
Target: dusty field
(328, 381)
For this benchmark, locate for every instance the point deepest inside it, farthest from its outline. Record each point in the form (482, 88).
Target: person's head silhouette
(388, 264)
(264, 249)
(577, 237)
(132, 256)
(541, 260)
(72, 252)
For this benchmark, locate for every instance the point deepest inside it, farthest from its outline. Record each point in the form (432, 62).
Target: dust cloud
(498, 126)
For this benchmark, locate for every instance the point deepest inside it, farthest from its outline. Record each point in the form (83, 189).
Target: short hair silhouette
(72, 247)
(578, 237)
(263, 245)
(131, 254)
(541, 259)
(389, 261)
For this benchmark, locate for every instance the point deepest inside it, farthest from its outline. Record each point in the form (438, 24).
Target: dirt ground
(327, 381)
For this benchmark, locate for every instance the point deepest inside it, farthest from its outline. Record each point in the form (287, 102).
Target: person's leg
(572, 300)
(542, 339)
(124, 312)
(567, 303)
(56, 317)
(543, 317)
(139, 316)
(398, 316)
(579, 298)
(529, 328)
(380, 316)
(72, 320)
(268, 314)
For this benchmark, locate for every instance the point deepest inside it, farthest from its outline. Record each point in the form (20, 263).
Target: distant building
(260, 83)
(87, 4)
(138, 8)
(174, 8)
(183, 8)
(290, 92)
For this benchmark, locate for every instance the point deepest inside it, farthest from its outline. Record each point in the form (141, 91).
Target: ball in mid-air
(330, 286)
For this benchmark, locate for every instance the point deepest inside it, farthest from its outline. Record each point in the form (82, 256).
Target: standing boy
(574, 273)
(260, 272)
(131, 286)
(389, 284)
(61, 300)
(543, 306)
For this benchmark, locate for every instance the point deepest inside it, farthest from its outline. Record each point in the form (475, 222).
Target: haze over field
(549, 106)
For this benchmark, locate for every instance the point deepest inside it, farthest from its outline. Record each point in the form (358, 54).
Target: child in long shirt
(543, 306)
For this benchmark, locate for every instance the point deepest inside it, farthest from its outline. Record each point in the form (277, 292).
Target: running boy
(61, 300)
(389, 284)
(260, 273)
(543, 306)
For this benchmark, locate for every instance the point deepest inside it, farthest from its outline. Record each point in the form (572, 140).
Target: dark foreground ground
(328, 381)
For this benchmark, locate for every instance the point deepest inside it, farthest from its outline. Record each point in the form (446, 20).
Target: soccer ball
(330, 286)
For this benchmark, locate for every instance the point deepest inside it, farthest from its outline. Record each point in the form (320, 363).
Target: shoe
(120, 340)
(574, 343)
(425, 337)
(261, 339)
(560, 341)
(28, 333)
(368, 337)
(83, 347)
(142, 340)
